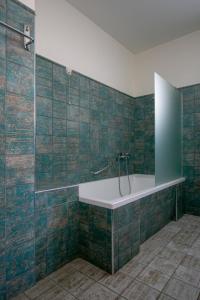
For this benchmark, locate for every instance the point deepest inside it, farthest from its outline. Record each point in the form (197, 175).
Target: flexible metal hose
(119, 177)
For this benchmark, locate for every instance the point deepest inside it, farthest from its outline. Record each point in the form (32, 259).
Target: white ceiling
(142, 24)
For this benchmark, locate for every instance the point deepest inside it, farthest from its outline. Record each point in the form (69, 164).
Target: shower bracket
(27, 35)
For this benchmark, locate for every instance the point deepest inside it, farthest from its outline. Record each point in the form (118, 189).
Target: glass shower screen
(168, 130)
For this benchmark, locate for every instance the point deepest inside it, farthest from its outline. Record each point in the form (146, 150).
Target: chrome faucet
(122, 156)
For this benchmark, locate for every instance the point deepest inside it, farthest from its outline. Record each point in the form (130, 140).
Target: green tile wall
(17, 244)
(95, 235)
(56, 229)
(157, 210)
(126, 233)
(144, 136)
(81, 124)
(191, 148)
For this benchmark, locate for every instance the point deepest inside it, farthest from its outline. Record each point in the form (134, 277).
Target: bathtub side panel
(126, 225)
(156, 211)
(95, 235)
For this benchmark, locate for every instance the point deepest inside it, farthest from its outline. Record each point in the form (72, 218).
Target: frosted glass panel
(168, 110)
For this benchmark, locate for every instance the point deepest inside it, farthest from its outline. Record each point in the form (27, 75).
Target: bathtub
(105, 193)
(112, 227)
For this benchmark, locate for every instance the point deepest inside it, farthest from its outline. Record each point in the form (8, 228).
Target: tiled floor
(167, 268)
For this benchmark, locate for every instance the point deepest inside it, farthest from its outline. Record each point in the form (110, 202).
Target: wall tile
(19, 260)
(20, 80)
(17, 255)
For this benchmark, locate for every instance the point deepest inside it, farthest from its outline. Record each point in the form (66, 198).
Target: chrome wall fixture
(28, 40)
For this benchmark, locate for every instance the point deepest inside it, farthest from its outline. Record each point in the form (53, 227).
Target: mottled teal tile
(84, 99)
(59, 127)
(44, 68)
(44, 91)
(57, 218)
(72, 129)
(75, 80)
(56, 198)
(20, 80)
(57, 245)
(2, 32)
(44, 125)
(19, 229)
(59, 110)
(21, 283)
(59, 144)
(19, 169)
(84, 115)
(44, 144)
(84, 83)
(43, 162)
(74, 96)
(19, 124)
(18, 14)
(40, 223)
(44, 106)
(73, 113)
(20, 200)
(16, 53)
(19, 260)
(2, 224)
(19, 145)
(18, 104)
(40, 250)
(2, 144)
(59, 83)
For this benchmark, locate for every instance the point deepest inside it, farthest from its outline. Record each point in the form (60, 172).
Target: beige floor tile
(185, 237)
(132, 268)
(139, 291)
(61, 273)
(153, 278)
(165, 235)
(92, 271)
(146, 256)
(191, 262)
(173, 226)
(194, 252)
(173, 256)
(98, 292)
(76, 283)
(165, 297)
(41, 287)
(117, 282)
(180, 290)
(177, 246)
(20, 297)
(188, 275)
(153, 244)
(79, 263)
(55, 293)
(197, 243)
(167, 267)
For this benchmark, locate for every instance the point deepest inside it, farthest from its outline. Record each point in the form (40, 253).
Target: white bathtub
(105, 193)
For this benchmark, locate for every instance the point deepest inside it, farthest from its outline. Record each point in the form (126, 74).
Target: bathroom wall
(191, 148)
(17, 244)
(56, 230)
(68, 37)
(29, 3)
(80, 126)
(177, 61)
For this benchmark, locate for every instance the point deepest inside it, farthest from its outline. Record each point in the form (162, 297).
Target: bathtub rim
(118, 202)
